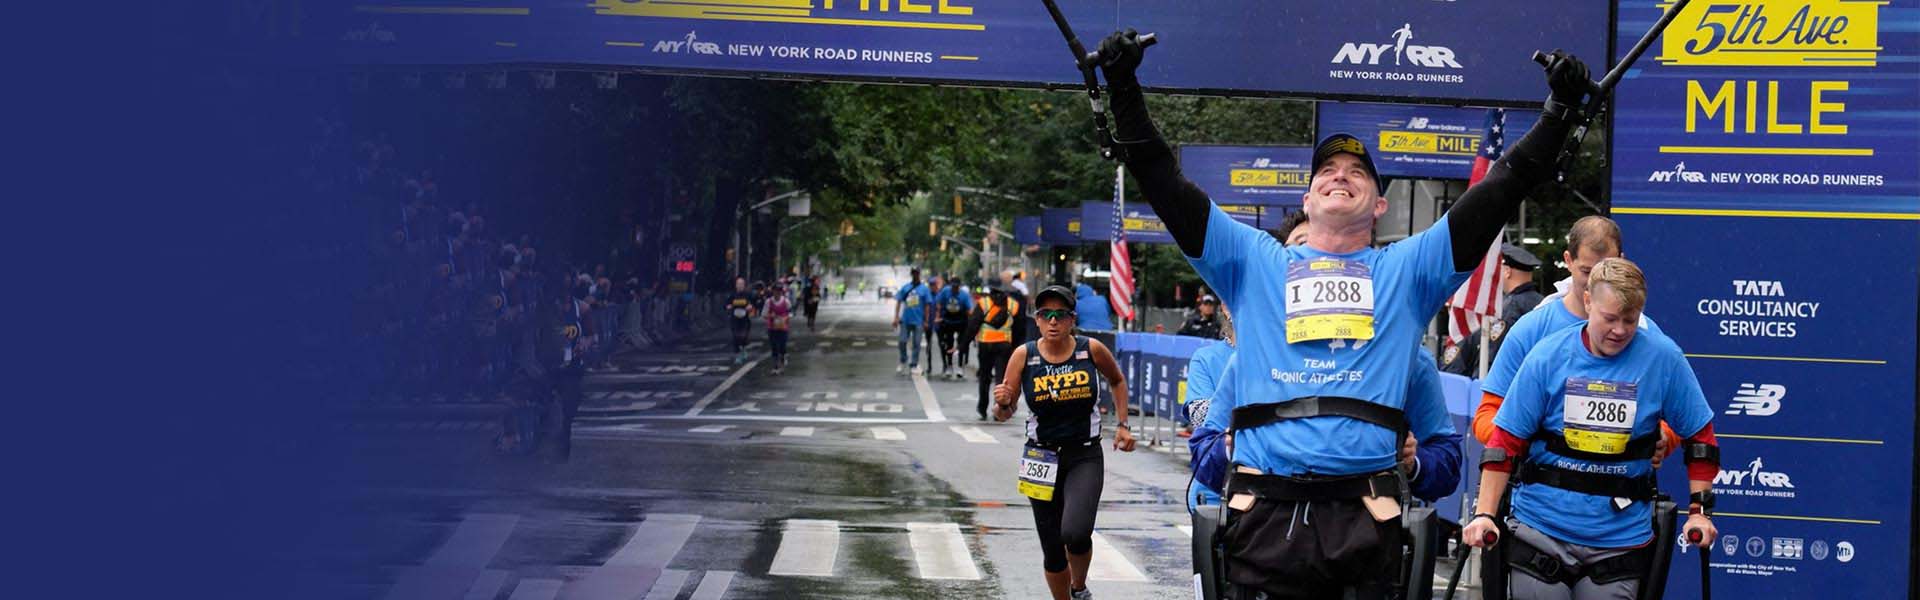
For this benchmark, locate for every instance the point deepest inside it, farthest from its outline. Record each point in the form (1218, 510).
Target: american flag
(1479, 299)
(1120, 263)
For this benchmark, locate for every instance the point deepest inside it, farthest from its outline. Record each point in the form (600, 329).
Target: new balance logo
(1756, 400)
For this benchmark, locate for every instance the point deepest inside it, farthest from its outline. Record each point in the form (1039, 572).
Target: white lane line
(974, 434)
(892, 434)
(796, 431)
(655, 541)
(713, 586)
(709, 398)
(824, 344)
(860, 343)
(632, 406)
(1109, 565)
(667, 587)
(928, 403)
(536, 589)
(940, 552)
(710, 429)
(475, 541)
(1186, 530)
(487, 585)
(807, 548)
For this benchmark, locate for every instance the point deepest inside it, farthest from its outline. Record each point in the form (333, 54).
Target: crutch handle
(1092, 59)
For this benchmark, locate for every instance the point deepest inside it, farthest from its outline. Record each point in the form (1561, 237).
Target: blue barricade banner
(1436, 52)
(1143, 226)
(1249, 175)
(1751, 124)
(1428, 142)
(1027, 230)
(1060, 226)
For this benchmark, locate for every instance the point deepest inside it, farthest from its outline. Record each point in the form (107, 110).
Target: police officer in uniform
(1327, 332)
(1516, 283)
(1205, 322)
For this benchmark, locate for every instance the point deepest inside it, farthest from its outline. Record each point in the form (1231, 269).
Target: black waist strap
(1256, 415)
(1275, 487)
(1598, 484)
(1640, 448)
(1525, 557)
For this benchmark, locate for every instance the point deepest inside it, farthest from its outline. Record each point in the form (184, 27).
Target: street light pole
(741, 260)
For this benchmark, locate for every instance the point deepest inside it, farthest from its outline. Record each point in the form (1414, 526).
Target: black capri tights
(1065, 523)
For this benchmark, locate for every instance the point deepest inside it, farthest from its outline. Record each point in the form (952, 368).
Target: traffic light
(958, 206)
(933, 228)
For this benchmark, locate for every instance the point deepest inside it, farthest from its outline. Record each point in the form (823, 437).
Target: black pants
(1065, 523)
(949, 337)
(741, 329)
(1311, 549)
(993, 366)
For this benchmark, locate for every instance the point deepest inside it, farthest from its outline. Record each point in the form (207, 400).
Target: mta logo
(1757, 400)
(1360, 53)
(1679, 173)
(1755, 475)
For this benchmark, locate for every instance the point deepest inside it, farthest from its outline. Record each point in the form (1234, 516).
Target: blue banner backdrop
(1249, 175)
(1027, 230)
(1427, 142)
(1143, 226)
(1763, 173)
(1435, 52)
(1060, 226)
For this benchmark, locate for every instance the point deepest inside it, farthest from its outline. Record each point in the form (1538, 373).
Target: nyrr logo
(1754, 476)
(1759, 400)
(1774, 33)
(1360, 53)
(1679, 173)
(691, 44)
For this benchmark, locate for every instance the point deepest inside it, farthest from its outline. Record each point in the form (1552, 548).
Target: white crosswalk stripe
(536, 589)
(939, 552)
(796, 432)
(710, 429)
(713, 586)
(974, 434)
(1109, 564)
(667, 587)
(889, 434)
(808, 548)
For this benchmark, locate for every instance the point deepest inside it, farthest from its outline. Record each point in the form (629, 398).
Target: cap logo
(1347, 145)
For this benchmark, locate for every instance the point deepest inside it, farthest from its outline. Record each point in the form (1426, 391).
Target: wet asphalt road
(696, 478)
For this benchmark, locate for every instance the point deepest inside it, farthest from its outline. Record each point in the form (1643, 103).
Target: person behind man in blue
(1092, 308)
(912, 307)
(1327, 333)
(952, 304)
(1580, 420)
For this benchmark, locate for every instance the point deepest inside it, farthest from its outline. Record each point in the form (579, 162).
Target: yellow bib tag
(1038, 468)
(1598, 415)
(1329, 298)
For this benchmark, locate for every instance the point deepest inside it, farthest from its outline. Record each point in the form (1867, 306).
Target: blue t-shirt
(1206, 448)
(1645, 383)
(915, 299)
(1204, 368)
(1438, 455)
(961, 303)
(1549, 317)
(1409, 280)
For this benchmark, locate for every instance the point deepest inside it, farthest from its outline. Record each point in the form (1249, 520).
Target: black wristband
(1496, 520)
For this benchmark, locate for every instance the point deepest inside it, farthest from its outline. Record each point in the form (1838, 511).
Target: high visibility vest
(1002, 334)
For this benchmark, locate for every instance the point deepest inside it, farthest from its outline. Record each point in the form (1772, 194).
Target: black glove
(1120, 55)
(1567, 77)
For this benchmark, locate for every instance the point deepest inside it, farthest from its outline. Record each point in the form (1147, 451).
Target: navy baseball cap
(1340, 143)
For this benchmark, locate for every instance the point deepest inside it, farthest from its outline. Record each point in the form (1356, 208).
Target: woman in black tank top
(1061, 468)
